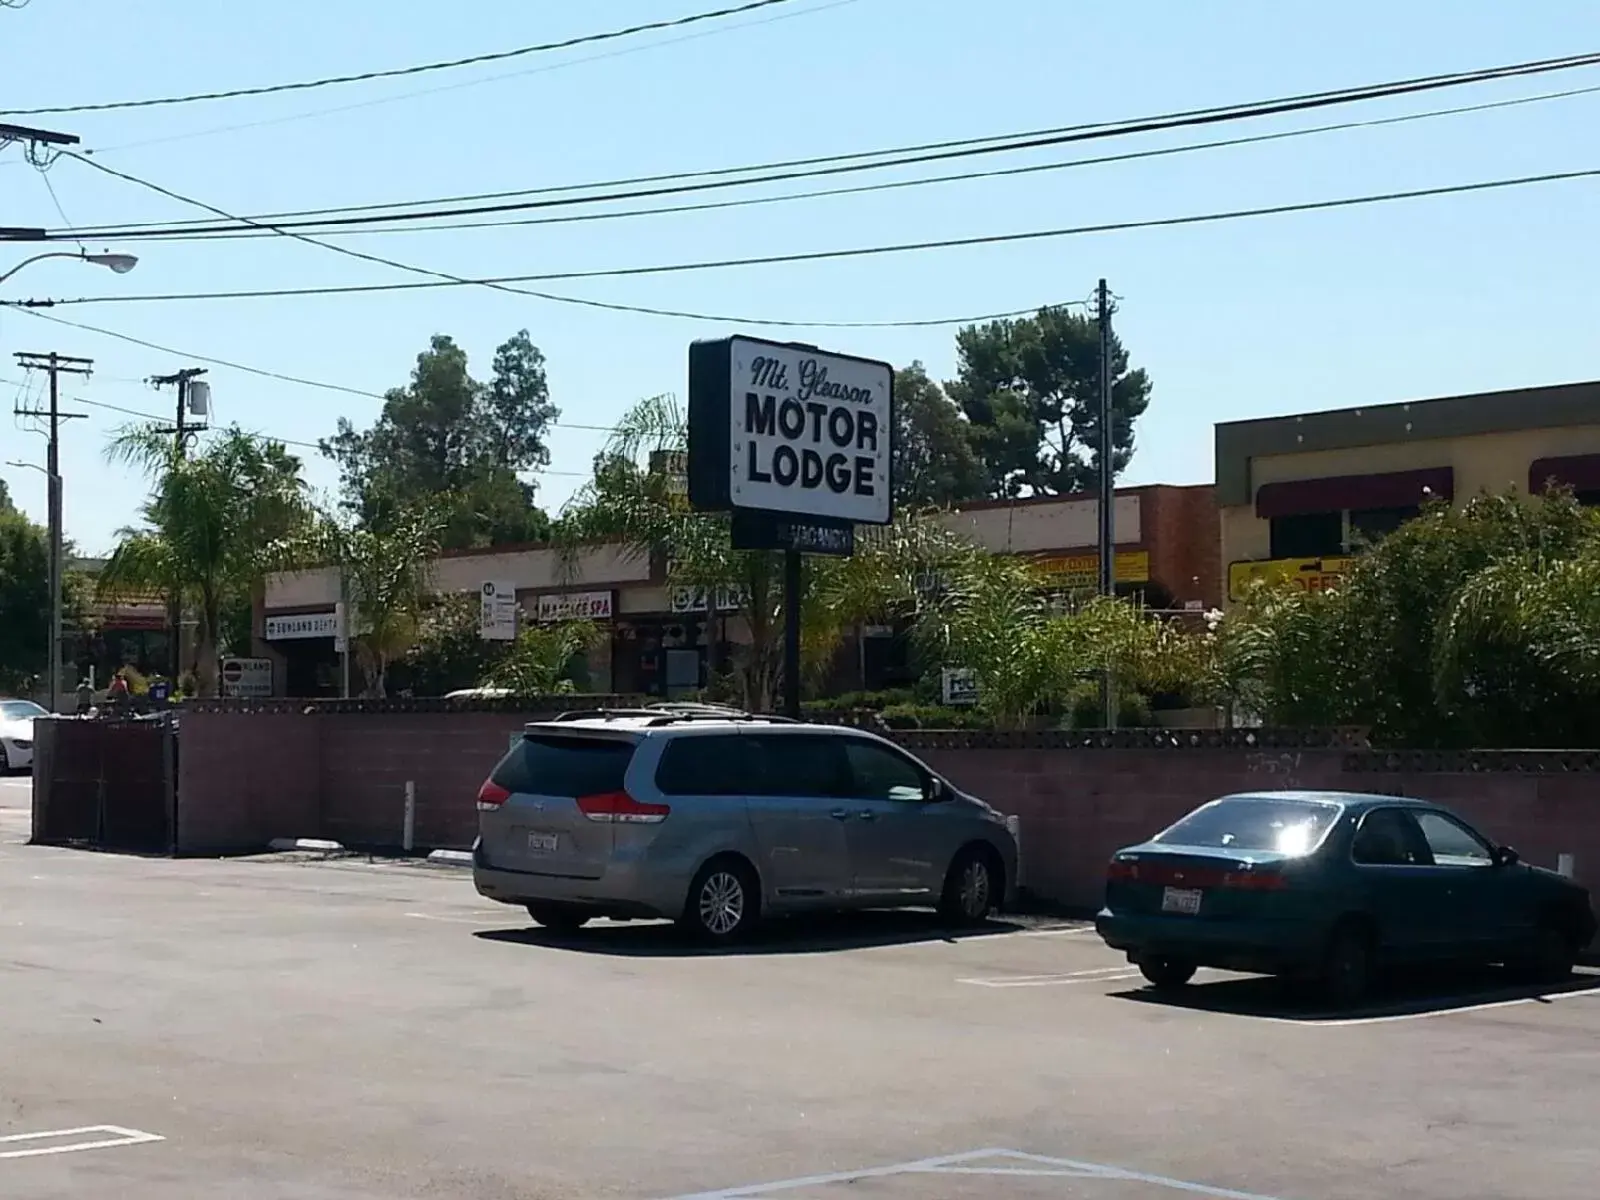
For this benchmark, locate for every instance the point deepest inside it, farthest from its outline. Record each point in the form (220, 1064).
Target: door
(1482, 914)
(796, 812)
(898, 850)
(1398, 886)
(537, 825)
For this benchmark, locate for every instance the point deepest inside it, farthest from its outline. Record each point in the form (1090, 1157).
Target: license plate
(543, 843)
(1181, 900)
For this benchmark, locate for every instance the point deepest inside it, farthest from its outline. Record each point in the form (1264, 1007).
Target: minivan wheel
(970, 888)
(1550, 956)
(1166, 974)
(723, 902)
(1347, 965)
(557, 919)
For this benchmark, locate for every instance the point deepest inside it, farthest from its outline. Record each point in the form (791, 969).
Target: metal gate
(104, 783)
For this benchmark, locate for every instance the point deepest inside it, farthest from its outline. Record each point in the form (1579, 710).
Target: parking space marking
(119, 1136)
(970, 1163)
(1346, 1022)
(1092, 975)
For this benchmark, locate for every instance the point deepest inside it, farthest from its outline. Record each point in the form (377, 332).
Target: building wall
(1490, 462)
(343, 776)
(1027, 526)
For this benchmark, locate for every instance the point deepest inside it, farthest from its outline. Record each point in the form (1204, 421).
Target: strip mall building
(1298, 495)
(662, 639)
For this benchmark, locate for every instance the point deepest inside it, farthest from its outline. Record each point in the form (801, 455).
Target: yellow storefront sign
(1083, 570)
(1310, 574)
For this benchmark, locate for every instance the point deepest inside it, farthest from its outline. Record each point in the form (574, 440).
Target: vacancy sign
(790, 430)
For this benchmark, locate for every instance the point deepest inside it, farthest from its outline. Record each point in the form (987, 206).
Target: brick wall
(247, 777)
(1181, 530)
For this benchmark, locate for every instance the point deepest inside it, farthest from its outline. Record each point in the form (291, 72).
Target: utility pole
(1107, 505)
(55, 365)
(182, 431)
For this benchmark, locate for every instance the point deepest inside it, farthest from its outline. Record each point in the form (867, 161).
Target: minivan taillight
(621, 808)
(491, 796)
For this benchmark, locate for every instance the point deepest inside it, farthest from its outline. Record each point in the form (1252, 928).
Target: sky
(1262, 317)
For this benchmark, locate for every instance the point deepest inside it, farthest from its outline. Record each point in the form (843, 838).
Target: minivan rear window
(564, 766)
(1248, 823)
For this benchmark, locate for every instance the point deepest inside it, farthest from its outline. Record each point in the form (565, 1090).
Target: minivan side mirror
(1505, 856)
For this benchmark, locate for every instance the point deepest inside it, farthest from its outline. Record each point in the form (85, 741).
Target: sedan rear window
(564, 766)
(1250, 823)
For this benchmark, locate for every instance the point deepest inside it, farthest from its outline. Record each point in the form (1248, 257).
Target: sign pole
(793, 584)
(1107, 480)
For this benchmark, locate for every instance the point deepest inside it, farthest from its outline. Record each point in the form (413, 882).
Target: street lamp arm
(120, 263)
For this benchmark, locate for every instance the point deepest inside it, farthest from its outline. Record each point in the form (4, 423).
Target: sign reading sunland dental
(790, 430)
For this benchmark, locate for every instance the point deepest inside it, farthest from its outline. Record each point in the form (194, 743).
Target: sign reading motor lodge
(788, 429)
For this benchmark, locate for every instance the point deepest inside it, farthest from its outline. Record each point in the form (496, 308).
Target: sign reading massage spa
(791, 430)
(575, 606)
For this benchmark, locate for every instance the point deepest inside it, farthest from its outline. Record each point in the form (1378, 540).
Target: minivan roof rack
(670, 712)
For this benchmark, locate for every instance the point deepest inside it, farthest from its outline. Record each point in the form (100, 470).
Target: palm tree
(387, 575)
(215, 525)
(646, 512)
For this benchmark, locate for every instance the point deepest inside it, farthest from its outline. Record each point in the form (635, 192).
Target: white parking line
(118, 1137)
(973, 1163)
(1345, 1022)
(1093, 975)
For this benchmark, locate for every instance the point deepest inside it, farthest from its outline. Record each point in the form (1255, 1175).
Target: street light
(120, 263)
(54, 484)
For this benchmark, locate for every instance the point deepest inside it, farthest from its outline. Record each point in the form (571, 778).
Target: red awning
(1396, 489)
(1580, 472)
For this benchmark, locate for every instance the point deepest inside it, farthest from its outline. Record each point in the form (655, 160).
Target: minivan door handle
(840, 814)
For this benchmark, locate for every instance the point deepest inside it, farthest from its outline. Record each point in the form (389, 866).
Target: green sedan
(1334, 886)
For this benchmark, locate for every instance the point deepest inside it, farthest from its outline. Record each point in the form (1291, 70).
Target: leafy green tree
(215, 524)
(387, 580)
(1030, 389)
(1469, 626)
(540, 660)
(24, 600)
(935, 464)
(648, 514)
(462, 442)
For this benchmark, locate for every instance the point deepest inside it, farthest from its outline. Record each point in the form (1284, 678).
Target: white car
(16, 734)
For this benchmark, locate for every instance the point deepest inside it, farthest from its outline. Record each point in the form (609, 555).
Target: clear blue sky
(1270, 316)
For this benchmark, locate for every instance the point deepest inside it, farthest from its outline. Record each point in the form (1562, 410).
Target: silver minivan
(715, 819)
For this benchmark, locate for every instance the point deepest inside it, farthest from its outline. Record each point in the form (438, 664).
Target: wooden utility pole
(182, 432)
(55, 365)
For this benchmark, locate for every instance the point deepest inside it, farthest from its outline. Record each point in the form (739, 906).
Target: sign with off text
(786, 429)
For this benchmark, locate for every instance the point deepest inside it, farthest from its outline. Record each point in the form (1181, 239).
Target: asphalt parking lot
(341, 1030)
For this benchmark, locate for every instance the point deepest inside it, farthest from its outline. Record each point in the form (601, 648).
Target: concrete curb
(283, 844)
(458, 858)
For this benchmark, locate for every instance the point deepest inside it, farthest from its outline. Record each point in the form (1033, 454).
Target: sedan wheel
(1347, 967)
(1166, 974)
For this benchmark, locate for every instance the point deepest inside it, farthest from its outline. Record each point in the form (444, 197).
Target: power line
(566, 64)
(418, 69)
(836, 164)
(176, 235)
(831, 255)
(449, 278)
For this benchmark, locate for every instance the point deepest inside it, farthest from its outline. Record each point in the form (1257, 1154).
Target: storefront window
(1308, 535)
(1367, 525)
